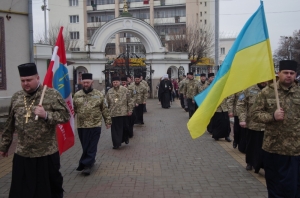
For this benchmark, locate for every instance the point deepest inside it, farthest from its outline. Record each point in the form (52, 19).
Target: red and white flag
(57, 77)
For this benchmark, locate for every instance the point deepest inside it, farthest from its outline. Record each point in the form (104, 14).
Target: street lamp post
(44, 8)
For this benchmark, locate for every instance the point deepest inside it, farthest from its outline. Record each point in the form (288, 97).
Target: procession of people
(268, 136)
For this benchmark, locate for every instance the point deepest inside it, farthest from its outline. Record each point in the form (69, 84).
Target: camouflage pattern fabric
(233, 101)
(36, 138)
(143, 82)
(140, 92)
(119, 101)
(90, 108)
(191, 89)
(181, 85)
(244, 103)
(202, 86)
(224, 106)
(281, 137)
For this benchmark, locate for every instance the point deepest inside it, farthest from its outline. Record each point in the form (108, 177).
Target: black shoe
(228, 139)
(234, 144)
(80, 167)
(87, 171)
(142, 122)
(216, 139)
(186, 110)
(127, 142)
(248, 167)
(115, 147)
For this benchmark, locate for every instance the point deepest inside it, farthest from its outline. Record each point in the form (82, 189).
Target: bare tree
(289, 48)
(52, 36)
(196, 39)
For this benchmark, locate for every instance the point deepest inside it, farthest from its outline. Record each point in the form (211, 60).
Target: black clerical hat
(190, 73)
(27, 69)
(137, 75)
(87, 76)
(210, 74)
(203, 74)
(124, 78)
(288, 65)
(116, 78)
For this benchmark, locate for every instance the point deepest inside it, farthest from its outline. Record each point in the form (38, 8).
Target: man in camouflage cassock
(36, 162)
(220, 121)
(239, 132)
(90, 107)
(120, 105)
(191, 89)
(254, 130)
(131, 119)
(202, 82)
(211, 77)
(141, 96)
(180, 90)
(147, 86)
(281, 143)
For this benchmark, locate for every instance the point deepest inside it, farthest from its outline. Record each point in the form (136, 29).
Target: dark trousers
(36, 177)
(282, 175)
(192, 107)
(119, 130)
(181, 100)
(139, 114)
(89, 138)
(131, 120)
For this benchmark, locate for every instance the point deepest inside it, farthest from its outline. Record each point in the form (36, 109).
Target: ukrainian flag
(248, 62)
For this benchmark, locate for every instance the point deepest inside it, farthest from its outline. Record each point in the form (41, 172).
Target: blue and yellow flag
(248, 62)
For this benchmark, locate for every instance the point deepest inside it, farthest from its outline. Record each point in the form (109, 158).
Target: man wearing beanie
(141, 95)
(202, 81)
(33, 171)
(281, 142)
(120, 105)
(90, 107)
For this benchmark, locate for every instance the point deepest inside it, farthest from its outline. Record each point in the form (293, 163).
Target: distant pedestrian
(165, 90)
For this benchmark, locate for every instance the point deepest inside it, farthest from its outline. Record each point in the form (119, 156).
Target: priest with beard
(164, 92)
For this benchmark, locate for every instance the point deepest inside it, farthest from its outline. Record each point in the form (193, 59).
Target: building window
(2, 56)
(91, 31)
(75, 49)
(73, 2)
(200, 13)
(222, 50)
(74, 35)
(205, 3)
(205, 21)
(74, 19)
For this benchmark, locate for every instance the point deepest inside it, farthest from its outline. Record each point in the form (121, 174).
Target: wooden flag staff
(41, 101)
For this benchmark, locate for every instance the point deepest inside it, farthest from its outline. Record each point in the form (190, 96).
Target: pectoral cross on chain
(27, 116)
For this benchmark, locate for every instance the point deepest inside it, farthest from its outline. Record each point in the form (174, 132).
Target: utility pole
(127, 59)
(216, 32)
(44, 8)
(30, 24)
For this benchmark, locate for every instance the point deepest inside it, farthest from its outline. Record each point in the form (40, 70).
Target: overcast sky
(282, 17)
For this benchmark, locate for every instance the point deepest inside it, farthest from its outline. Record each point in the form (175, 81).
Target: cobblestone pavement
(161, 160)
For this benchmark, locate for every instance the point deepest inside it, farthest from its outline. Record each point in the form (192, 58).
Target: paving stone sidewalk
(160, 161)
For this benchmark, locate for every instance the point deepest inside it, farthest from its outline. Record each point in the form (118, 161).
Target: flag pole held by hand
(41, 101)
